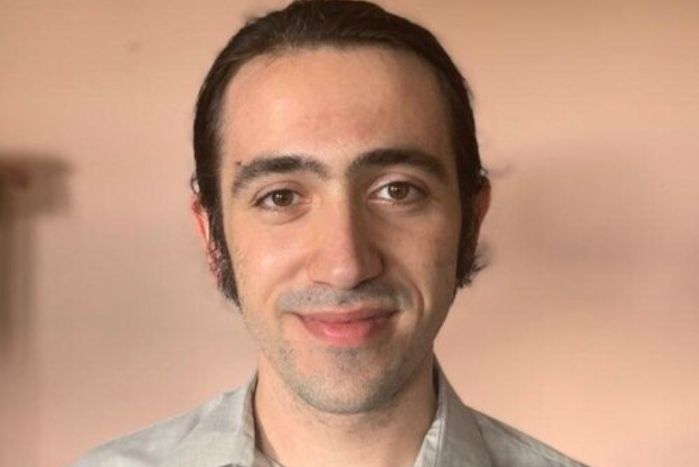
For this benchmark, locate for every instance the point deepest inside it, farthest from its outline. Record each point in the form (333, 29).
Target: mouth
(350, 328)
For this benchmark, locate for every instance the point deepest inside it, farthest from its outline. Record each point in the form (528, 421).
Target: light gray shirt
(221, 433)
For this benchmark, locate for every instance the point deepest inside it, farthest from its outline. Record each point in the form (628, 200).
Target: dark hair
(338, 23)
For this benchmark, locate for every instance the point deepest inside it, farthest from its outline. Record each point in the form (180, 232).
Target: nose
(344, 255)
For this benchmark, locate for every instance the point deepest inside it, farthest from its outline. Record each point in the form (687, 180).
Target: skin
(333, 233)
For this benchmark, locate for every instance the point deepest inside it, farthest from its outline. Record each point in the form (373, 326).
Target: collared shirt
(221, 433)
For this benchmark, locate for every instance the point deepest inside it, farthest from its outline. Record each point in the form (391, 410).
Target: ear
(481, 203)
(201, 220)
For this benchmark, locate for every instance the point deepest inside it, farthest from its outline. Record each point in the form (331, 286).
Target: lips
(347, 328)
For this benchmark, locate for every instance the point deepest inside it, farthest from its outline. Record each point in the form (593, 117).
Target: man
(339, 191)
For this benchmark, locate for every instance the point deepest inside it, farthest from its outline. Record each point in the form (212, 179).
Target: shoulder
(509, 446)
(156, 444)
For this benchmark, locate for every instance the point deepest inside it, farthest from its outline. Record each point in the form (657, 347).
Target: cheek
(262, 258)
(429, 255)
(437, 258)
(435, 239)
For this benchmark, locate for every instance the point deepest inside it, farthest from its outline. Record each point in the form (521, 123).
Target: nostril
(344, 264)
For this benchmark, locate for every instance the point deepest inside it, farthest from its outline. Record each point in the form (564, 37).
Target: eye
(399, 192)
(278, 199)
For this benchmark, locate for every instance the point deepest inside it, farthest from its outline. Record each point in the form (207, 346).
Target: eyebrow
(386, 157)
(273, 164)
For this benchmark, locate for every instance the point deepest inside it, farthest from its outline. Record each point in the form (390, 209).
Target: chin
(349, 400)
(348, 384)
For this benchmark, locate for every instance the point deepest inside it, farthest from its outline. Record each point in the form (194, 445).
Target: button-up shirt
(221, 433)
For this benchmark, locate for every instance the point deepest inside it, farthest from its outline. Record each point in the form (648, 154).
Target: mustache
(317, 297)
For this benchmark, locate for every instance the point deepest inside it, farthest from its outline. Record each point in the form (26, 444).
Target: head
(338, 175)
(339, 24)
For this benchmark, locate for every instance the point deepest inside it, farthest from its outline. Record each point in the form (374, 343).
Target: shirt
(221, 433)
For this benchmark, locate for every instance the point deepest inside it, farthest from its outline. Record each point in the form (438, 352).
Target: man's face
(341, 213)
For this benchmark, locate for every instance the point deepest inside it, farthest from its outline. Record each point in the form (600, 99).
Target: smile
(346, 328)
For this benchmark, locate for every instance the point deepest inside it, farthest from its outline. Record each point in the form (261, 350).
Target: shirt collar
(454, 438)
(226, 433)
(222, 435)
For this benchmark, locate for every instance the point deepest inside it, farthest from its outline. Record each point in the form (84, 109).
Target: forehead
(333, 103)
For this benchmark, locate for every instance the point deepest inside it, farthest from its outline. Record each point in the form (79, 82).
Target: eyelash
(410, 197)
(414, 195)
(260, 202)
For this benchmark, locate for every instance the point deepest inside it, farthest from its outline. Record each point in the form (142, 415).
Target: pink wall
(583, 331)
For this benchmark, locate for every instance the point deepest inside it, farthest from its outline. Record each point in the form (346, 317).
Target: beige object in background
(583, 330)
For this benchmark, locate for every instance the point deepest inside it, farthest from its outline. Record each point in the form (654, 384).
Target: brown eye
(278, 199)
(282, 198)
(398, 190)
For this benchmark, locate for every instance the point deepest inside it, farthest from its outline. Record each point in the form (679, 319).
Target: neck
(293, 433)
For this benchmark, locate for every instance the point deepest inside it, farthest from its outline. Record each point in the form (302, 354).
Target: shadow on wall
(619, 218)
(573, 205)
(31, 185)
